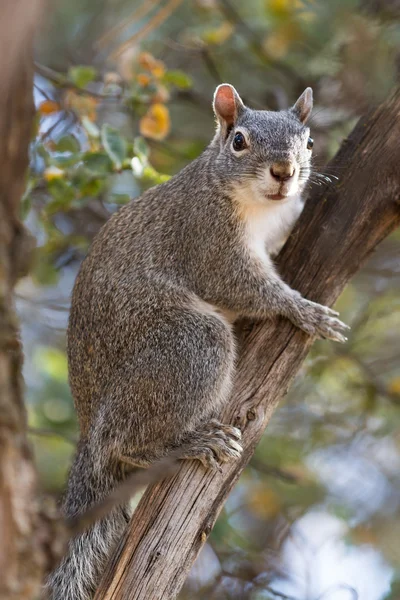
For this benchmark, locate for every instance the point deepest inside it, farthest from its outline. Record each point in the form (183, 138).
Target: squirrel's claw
(321, 321)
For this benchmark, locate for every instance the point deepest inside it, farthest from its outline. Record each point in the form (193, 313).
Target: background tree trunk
(21, 555)
(338, 229)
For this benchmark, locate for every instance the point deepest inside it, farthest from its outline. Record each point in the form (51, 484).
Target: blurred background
(123, 95)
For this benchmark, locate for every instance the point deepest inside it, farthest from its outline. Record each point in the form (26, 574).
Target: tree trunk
(338, 229)
(21, 559)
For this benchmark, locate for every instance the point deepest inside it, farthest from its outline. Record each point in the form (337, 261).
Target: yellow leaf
(280, 8)
(156, 122)
(264, 502)
(83, 104)
(149, 63)
(48, 107)
(276, 45)
(143, 79)
(219, 35)
(279, 41)
(394, 386)
(158, 70)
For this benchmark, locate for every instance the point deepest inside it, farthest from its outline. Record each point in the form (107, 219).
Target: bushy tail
(78, 574)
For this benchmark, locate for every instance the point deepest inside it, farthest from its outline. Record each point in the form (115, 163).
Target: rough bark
(339, 228)
(21, 559)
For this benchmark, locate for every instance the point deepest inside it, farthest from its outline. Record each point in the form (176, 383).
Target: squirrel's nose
(282, 171)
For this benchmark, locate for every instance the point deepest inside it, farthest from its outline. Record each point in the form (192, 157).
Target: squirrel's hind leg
(170, 383)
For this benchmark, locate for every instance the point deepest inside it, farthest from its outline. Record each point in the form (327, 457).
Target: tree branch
(338, 229)
(21, 552)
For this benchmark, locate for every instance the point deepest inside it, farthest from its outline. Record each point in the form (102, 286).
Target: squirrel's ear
(227, 105)
(304, 104)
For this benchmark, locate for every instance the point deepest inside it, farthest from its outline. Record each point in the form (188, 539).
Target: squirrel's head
(264, 153)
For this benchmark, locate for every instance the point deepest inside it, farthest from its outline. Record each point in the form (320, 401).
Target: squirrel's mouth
(276, 196)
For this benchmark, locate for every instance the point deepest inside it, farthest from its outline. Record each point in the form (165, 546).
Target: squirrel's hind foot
(213, 444)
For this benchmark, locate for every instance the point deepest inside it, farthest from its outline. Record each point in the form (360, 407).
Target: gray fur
(150, 343)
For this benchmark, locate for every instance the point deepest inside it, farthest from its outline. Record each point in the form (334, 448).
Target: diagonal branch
(338, 229)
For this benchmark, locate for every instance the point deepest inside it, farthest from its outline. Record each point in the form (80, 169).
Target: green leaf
(178, 79)
(152, 176)
(93, 187)
(91, 128)
(43, 153)
(64, 159)
(141, 149)
(63, 194)
(114, 144)
(44, 272)
(52, 362)
(119, 198)
(98, 163)
(25, 206)
(68, 143)
(82, 75)
(26, 200)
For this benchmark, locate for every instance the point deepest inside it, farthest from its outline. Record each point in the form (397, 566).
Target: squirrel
(150, 341)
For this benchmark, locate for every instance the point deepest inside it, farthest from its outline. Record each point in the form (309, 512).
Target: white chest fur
(269, 225)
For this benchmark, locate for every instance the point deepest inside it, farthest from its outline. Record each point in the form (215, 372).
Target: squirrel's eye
(310, 143)
(239, 142)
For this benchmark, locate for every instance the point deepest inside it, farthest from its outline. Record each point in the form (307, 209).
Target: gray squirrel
(151, 347)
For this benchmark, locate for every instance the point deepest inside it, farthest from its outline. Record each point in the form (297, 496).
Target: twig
(62, 81)
(152, 24)
(274, 471)
(371, 377)
(137, 14)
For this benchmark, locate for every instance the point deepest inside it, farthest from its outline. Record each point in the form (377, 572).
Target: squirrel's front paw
(321, 321)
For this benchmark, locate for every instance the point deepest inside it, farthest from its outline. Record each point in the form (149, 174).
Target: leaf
(141, 148)
(137, 167)
(143, 79)
(25, 206)
(93, 187)
(45, 273)
(82, 105)
(98, 163)
(91, 128)
(178, 78)
(52, 362)
(63, 194)
(119, 198)
(264, 502)
(153, 176)
(48, 107)
(53, 173)
(394, 386)
(68, 143)
(149, 63)
(219, 35)
(114, 144)
(64, 159)
(82, 75)
(156, 122)
(26, 200)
